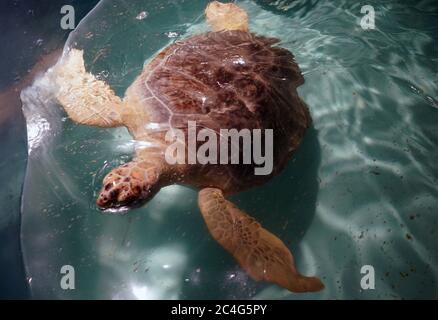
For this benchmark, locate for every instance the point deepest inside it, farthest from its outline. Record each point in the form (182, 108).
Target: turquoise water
(361, 190)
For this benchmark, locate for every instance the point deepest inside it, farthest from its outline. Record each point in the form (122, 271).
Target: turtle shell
(225, 80)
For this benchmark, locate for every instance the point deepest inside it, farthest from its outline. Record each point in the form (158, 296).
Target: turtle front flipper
(131, 184)
(86, 99)
(259, 252)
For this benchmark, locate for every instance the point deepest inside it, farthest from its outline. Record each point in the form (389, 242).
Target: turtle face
(128, 186)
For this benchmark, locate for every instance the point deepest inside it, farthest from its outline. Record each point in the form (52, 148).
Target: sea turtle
(225, 78)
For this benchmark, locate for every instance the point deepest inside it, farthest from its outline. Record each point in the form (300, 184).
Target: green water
(361, 190)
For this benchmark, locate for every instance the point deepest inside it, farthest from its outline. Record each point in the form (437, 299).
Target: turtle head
(128, 186)
(226, 16)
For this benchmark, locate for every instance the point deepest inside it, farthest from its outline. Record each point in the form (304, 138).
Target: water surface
(361, 190)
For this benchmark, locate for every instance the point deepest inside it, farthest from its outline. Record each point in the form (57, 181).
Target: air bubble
(142, 15)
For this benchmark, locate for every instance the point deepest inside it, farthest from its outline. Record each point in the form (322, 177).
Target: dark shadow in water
(285, 206)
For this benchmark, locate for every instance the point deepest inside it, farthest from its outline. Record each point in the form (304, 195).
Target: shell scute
(220, 72)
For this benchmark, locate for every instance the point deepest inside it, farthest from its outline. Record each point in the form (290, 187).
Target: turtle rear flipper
(259, 252)
(226, 16)
(86, 99)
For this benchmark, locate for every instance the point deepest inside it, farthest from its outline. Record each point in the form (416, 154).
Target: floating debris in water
(430, 100)
(142, 15)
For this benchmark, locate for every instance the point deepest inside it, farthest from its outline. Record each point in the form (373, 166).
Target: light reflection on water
(361, 190)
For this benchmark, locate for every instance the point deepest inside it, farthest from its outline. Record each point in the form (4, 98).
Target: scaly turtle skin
(225, 79)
